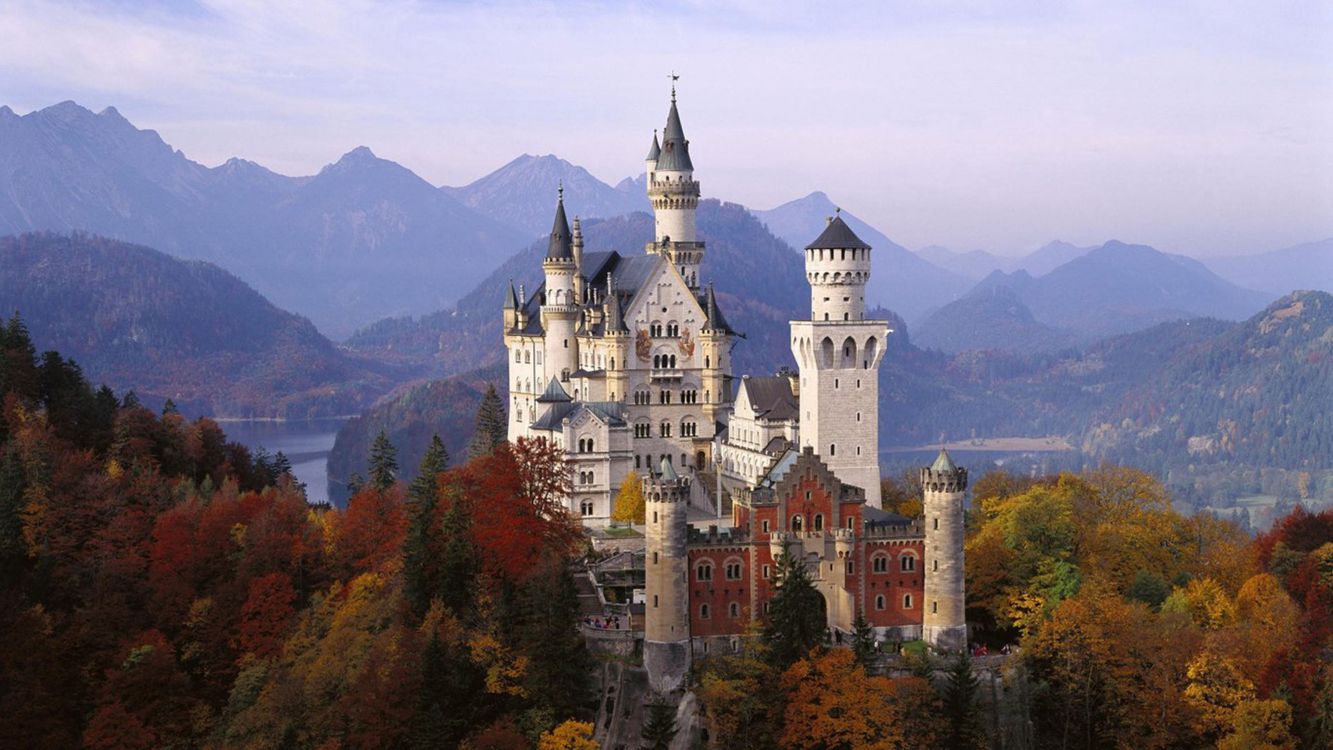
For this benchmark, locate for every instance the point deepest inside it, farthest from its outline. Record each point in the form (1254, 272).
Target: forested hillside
(161, 587)
(140, 320)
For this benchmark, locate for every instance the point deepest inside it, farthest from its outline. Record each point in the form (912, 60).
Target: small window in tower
(832, 449)
(937, 523)
(934, 607)
(879, 602)
(934, 564)
(566, 343)
(654, 601)
(846, 316)
(703, 611)
(654, 558)
(765, 525)
(858, 450)
(836, 381)
(766, 572)
(907, 601)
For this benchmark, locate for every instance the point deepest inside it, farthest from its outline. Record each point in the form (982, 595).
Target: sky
(1199, 127)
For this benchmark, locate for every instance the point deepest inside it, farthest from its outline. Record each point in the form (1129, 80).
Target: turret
(675, 196)
(944, 485)
(650, 163)
(560, 308)
(666, 633)
(511, 307)
(576, 247)
(837, 265)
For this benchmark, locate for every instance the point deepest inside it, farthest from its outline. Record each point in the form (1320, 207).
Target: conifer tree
(491, 429)
(169, 407)
(459, 562)
(383, 462)
(863, 641)
(660, 728)
(426, 484)
(558, 662)
(795, 614)
(959, 693)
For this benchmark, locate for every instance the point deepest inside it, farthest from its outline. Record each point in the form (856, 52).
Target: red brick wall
(720, 592)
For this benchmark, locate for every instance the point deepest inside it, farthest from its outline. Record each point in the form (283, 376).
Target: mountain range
(137, 319)
(978, 264)
(1305, 266)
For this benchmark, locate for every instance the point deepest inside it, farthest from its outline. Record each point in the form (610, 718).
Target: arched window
(734, 610)
(732, 570)
(637, 463)
(704, 572)
(832, 449)
(879, 602)
(665, 429)
(518, 355)
(879, 563)
(907, 601)
(819, 522)
(527, 358)
(907, 562)
(657, 361)
(703, 611)
(796, 522)
(673, 362)
(688, 428)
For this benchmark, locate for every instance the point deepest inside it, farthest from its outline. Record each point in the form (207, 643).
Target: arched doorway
(699, 460)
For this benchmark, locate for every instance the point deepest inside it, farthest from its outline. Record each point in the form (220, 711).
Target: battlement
(716, 537)
(944, 480)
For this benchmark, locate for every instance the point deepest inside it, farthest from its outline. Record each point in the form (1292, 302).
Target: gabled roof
(553, 418)
(837, 236)
(780, 468)
(675, 154)
(770, 396)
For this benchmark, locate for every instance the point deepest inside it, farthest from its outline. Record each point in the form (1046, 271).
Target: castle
(624, 362)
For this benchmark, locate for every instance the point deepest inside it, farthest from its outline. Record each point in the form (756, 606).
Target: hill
(367, 237)
(1306, 266)
(520, 194)
(138, 319)
(978, 264)
(901, 280)
(990, 317)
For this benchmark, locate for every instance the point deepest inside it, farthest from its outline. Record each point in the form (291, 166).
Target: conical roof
(667, 471)
(837, 236)
(511, 299)
(655, 150)
(714, 319)
(943, 463)
(675, 154)
(554, 394)
(560, 247)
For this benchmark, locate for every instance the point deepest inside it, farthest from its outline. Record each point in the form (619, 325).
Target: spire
(613, 321)
(943, 462)
(655, 150)
(675, 154)
(559, 248)
(666, 471)
(511, 299)
(713, 314)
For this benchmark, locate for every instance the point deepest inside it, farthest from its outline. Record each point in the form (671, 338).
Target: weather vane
(560, 189)
(674, 77)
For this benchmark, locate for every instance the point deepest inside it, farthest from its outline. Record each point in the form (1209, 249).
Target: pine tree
(863, 641)
(491, 429)
(796, 620)
(459, 562)
(558, 663)
(383, 462)
(959, 693)
(660, 728)
(426, 483)
(169, 407)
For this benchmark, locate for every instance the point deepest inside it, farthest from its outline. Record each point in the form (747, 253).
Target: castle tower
(560, 308)
(839, 352)
(666, 632)
(944, 625)
(675, 196)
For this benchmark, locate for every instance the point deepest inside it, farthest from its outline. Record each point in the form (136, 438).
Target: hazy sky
(1204, 127)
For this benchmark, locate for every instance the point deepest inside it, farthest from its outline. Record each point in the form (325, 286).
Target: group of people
(603, 623)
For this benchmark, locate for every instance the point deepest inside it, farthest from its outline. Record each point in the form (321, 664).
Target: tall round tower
(560, 308)
(674, 194)
(666, 631)
(944, 624)
(839, 353)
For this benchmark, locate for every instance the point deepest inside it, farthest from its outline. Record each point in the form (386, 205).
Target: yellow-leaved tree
(629, 501)
(570, 735)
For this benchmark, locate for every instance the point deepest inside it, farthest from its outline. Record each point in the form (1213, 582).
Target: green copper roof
(943, 462)
(667, 471)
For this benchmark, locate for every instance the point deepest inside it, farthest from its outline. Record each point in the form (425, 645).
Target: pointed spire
(613, 319)
(943, 462)
(554, 393)
(511, 299)
(655, 150)
(675, 154)
(667, 471)
(559, 248)
(713, 319)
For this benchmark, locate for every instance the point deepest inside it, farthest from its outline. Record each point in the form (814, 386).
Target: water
(305, 442)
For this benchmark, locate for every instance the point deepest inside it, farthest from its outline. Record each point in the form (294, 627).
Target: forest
(161, 586)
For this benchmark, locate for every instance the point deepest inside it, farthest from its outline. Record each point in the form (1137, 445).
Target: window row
(688, 428)
(881, 602)
(732, 569)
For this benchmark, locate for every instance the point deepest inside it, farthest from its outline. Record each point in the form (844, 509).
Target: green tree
(491, 429)
(459, 561)
(558, 663)
(420, 569)
(383, 462)
(863, 641)
(169, 407)
(796, 620)
(660, 728)
(1149, 588)
(426, 484)
(959, 692)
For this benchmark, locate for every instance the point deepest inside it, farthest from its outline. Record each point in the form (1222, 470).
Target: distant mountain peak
(6, 113)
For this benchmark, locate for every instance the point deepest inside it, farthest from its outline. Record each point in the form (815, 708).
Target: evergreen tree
(491, 429)
(13, 549)
(383, 462)
(459, 562)
(959, 692)
(558, 662)
(130, 400)
(863, 641)
(281, 464)
(426, 484)
(660, 728)
(355, 483)
(796, 620)
(169, 407)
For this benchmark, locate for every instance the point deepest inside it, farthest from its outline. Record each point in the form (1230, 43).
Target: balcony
(663, 373)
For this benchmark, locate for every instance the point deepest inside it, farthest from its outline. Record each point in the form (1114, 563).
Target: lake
(305, 442)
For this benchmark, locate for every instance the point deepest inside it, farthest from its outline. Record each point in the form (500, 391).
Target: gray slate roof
(554, 393)
(656, 150)
(837, 236)
(675, 154)
(560, 247)
(610, 412)
(770, 396)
